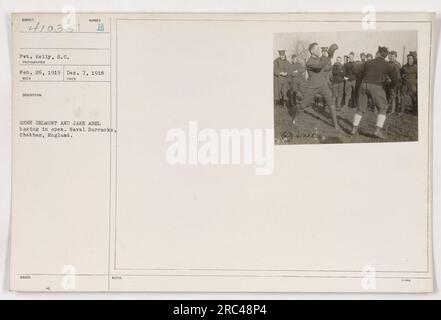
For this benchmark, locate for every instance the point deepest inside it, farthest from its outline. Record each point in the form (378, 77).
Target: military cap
(393, 53)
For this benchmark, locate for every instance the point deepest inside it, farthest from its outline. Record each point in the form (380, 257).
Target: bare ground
(314, 125)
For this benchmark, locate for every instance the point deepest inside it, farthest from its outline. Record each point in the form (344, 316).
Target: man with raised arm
(317, 84)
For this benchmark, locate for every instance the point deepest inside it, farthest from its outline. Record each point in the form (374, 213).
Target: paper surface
(127, 175)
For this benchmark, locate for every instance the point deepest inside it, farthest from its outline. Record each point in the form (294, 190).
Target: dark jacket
(338, 73)
(317, 66)
(281, 66)
(397, 68)
(377, 70)
(348, 68)
(358, 70)
(409, 73)
(300, 68)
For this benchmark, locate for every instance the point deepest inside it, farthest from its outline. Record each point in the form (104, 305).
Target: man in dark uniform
(345, 60)
(393, 93)
(374, 73)
(328, 69)
(281, 78)
(337, 82)
(409, 74)
(296, 80)
(358, 78)
(350, 80)
(317, 84)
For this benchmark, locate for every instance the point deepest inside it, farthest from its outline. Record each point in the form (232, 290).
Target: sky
(357, 41)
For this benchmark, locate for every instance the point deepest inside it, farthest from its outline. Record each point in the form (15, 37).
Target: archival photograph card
(233, 152)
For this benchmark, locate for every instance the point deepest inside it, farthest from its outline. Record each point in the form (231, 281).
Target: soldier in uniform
(337, 82)
(328, 69)
(281, 78)
(414, 55)
(358, 78)
(345, 60)
(371, 106)
(393, 93)
(374, 73)
(350, 80)
(317, 84)
(409, 74)
(296, 80)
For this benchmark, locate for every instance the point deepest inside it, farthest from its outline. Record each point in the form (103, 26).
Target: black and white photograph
(345, 87)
